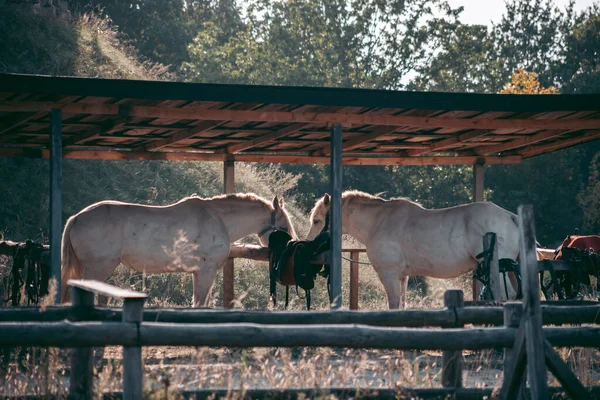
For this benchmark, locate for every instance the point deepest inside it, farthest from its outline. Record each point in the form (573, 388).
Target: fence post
(132, 355)
(354, 256)
(452, 363)
(532, 313)
(494, 285)
(81, 385)
(513, 312)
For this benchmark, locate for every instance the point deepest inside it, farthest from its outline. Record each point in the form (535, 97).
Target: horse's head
(280, 221)
(319, 217)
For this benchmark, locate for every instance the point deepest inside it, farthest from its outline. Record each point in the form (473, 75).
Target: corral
(171, 121)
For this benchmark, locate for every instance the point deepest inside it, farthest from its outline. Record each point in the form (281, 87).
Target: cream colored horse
(192, 235)
(402, 238)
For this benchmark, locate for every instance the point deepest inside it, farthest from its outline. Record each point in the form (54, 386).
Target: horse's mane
(233, 196)
(358, 195)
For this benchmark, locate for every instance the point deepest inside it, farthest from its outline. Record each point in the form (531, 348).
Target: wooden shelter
(151, 120)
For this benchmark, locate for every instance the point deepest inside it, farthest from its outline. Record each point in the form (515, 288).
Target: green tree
(339, 43)
(161, 29)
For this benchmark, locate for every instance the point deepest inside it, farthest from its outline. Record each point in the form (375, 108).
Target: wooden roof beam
(513, 144)
(203, 126)
(269, 137)
(104, 126)
(562, 144)
(358, 141)
(19, 121)
(306, 117)
(446, 143)
(270, 158)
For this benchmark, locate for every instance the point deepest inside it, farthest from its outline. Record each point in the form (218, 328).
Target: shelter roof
(154, 120)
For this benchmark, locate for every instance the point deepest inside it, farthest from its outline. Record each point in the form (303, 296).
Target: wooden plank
(446, 143)
(19, 120)
(520, 142)
(563, 373)
(132, 355)
(532, 315)
(360, 140)
(515, 373)
(264, 139)
(95, 131)
(95, 154)
(56, 199)
(203, 126)
(354, 267)
(452, 361)
(335, 222)
(105, 289)
(512, 315)
(488, 238)
(228, 268)
(562, 144)
(81, 381)
(307, 117)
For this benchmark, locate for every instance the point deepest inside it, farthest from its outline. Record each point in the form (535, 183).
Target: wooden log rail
(93, 334)
(489, 315)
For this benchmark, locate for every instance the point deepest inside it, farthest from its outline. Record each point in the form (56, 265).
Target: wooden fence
(528, 345)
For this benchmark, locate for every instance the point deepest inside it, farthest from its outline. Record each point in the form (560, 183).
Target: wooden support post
(81, 382)
(132, 355)
(56, 197)
(478, 184)
(229, 187)
(513, 312)
(532, 312)
(336, 217)
(494, 286)
(452, 362)
(354, 256)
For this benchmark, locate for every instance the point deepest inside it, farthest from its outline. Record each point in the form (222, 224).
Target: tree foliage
(525, 82)
(338, 43)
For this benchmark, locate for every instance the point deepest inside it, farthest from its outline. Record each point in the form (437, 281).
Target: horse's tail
(71, 266)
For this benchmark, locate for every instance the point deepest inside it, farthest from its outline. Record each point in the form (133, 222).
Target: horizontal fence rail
(89, 334)
(490, 315)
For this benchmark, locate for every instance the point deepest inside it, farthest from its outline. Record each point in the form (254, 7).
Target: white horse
(192, 235)
(402, 238)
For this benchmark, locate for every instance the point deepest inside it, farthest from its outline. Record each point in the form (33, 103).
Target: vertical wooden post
(513, 312)
(81, 382)
(229, 187)
(452, 362)
(132, 355)
(478, 184)
(532, 312)
(56, 197)
(354, 256)
(336, 217)
(494, 286)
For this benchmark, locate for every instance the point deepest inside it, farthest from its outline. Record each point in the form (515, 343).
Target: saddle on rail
(290, 264)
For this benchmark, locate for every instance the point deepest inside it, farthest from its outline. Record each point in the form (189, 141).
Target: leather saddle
(290, 264)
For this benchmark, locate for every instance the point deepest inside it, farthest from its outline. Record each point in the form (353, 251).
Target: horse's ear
(276, 203)
(326, 199)
(281, 203)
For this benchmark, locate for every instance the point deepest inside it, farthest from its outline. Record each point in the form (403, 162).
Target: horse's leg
(204, 279)
(391, 284)
(100, 271)
(403, 290)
